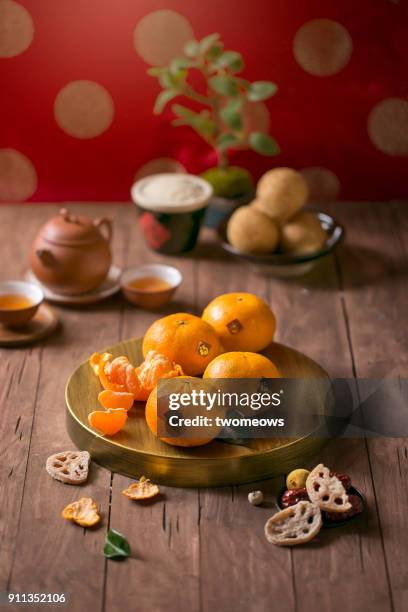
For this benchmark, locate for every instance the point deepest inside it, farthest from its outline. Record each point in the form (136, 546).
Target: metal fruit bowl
(283, 264)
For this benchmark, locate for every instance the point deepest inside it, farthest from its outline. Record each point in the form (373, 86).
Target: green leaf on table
(231, 60)
(224, 85)
(116, 545)
(263, 144)
(230, 113)
(207, 42)
(164, 96)
(227, 140)
(191, 48)
(261, 90)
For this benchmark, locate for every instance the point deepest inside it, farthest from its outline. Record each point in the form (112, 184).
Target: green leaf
(191, 48)
(224, 85)
(180, 64)
(166, 79)
(155, 71)
(164, 96)
(261, 90)
(230, 113)
(231, 60)
(207, 42)
(243, 83)
(227, 140)
(215, 51)
(201, 122)
(263, 144)
(116, 545)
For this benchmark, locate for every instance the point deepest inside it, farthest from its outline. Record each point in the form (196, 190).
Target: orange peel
(120, 376)
(84, 512)
(143, 489)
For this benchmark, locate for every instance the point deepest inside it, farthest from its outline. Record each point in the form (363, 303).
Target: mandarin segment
(108, 422)
(116, 399)
(154, 367)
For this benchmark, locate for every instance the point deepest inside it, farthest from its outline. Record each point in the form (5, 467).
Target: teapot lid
(70, 229)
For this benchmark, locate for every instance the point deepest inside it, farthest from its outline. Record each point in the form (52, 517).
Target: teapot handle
(101, 223)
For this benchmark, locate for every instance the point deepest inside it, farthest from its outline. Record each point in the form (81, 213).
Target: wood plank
(19, 372)
(163, 534)
(310, 317)
(376, 293)
(53, 555)
(235, 558)
(346, 569)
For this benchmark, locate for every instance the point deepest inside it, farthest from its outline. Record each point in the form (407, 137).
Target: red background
(318, 121)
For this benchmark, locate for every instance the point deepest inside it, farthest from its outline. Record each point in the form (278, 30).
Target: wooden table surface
(205, 549)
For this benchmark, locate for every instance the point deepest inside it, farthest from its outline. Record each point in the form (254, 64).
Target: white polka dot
(322, 47)
(16, 28)
(388, 126)
(83, 109)
(18, 178)
(156, 166)
(323, 184)
(160, 36)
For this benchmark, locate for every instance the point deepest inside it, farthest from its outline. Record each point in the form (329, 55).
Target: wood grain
(374, 271)
(165, 539)
(52, 555)
(238, 569)
(19, 372)
(347, 570)
(200, 550)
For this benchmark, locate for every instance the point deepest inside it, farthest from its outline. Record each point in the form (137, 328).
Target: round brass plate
(135, 451)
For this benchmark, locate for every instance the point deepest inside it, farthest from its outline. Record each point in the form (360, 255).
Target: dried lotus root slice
(84, 512)
(144, 489)
(326, 490)
(295, 525)
(70, 467)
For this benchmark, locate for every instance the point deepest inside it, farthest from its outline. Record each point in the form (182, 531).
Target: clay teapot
(71, 253)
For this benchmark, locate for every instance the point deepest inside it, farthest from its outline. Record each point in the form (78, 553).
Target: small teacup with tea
(19, 302)
(150, 285)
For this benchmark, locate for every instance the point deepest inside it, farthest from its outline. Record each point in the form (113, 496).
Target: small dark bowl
(285, 265)
(327, 523)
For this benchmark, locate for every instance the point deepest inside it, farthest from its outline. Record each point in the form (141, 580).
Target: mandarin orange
(242, 321)
(239, 364)
(185, 339)
(152, 418)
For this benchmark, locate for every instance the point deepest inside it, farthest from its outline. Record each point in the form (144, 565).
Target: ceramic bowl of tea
(150, 285)
(19, 302)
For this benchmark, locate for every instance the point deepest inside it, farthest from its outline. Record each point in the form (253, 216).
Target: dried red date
(344, 479)
(293, 496)
(356, 508)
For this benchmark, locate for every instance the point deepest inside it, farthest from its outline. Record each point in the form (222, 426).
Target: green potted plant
(208, 75)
